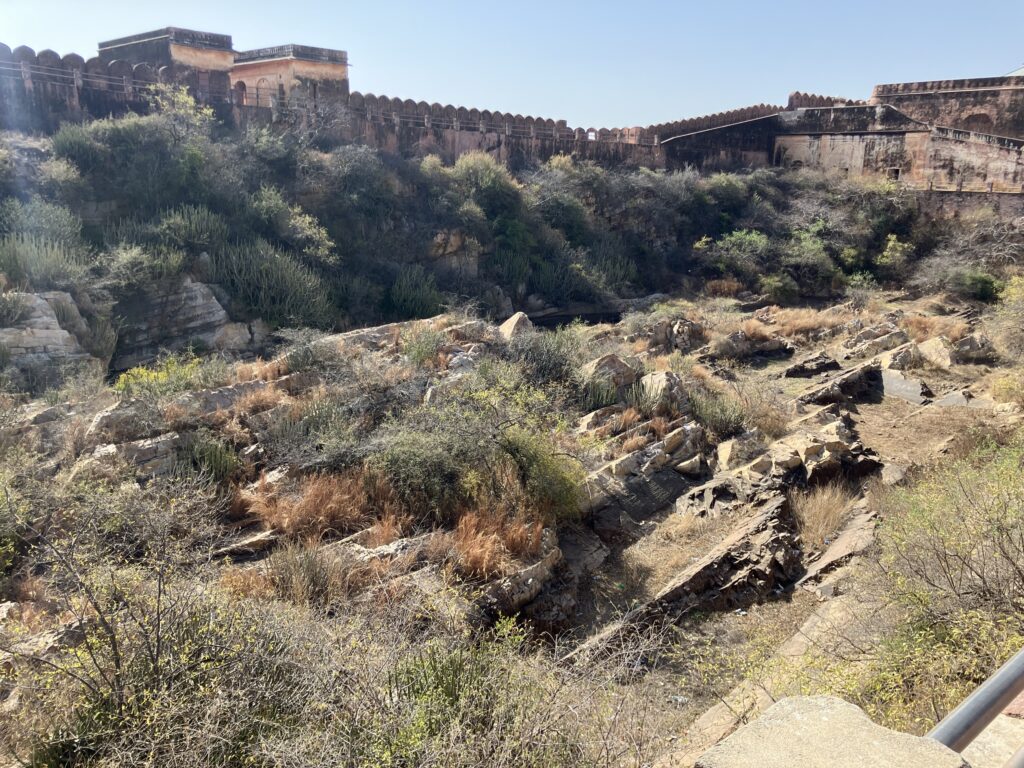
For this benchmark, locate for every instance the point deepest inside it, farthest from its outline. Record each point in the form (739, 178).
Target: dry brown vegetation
(259, 400)
(923, 327)
(726, 287)
(820, 511)
(322, 504)
(261, 370)
(756, 330)
(805, 322)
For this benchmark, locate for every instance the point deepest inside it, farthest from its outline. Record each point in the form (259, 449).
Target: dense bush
(272, 285)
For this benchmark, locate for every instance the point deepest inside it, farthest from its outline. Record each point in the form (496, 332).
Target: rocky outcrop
(974, 349)
(824, 732)
(740, 345)
(37, 338)
(759, 555)
(811, 366)
(174, 315)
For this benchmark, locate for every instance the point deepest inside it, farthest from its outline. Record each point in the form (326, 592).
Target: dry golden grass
(175, 416)
(634, 443)
(640, 346)
(254, 583)
(659, 426)
(477, 549)
(725, 288)
(259, 400)
(805, 322)
(756, 330)
(261, 370)
(387, 529)
(627, 419)
(322, 505)
(820, 512)
(1009, 388)
(923, 327)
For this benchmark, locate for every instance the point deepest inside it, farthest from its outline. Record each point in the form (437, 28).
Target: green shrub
(13, 309)
(975, 284)
(193, 229)
(40, 264)
(75, 142)
(552, 481)
(780, 289)
(296, 229)
(42, 220)
(423, 473)
(211, 456)
(720, 414)
(272, 285)
(549, 356)
(414, 293)
(135, 265)
(170, 375)
(421, 345)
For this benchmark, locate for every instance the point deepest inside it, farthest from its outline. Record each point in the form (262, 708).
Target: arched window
(240, 93)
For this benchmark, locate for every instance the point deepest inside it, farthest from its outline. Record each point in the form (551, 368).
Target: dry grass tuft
(820, 512)
(247, 582)
(756, 330)
(725, 288)
(923, 327)
(627, 419)
(806, 322)
(322, 505)
(259, 400)
(634, 443)
(387, 529)
(659, 426)
(261, 370)
(477, 548)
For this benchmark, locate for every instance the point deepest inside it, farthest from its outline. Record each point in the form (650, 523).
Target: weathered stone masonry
(958, 135)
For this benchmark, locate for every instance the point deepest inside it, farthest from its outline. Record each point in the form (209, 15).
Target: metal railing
(975, 713)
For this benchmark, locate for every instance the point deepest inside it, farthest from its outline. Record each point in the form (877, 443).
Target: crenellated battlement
(880, 92)
(974, 128)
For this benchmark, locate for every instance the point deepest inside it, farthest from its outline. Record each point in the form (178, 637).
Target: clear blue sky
(595, 64)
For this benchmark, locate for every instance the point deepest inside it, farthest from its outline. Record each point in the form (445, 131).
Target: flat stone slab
(912, 390)
(824, 732)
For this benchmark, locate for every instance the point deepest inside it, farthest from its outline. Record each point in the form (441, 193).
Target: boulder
(824, 732)
(740, 450)
(974, 349)
(612, 369)
(515, 326)
(881, 344)
(692, 467)
(667, 389)
(687, 335)
(739, 345)
(895, 384)
(902, 358)
(124, 421)
(938, 351)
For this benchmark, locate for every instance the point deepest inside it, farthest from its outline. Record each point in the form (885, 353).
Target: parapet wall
(993, 105)
(40, 91)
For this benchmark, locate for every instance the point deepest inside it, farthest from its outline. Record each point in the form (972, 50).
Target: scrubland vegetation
(398, 481)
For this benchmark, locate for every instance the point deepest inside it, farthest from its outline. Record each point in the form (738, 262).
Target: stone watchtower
(302, 75)
(201, 60)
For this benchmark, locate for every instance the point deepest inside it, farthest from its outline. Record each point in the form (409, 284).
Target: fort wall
(955, 135)
(993, 105)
